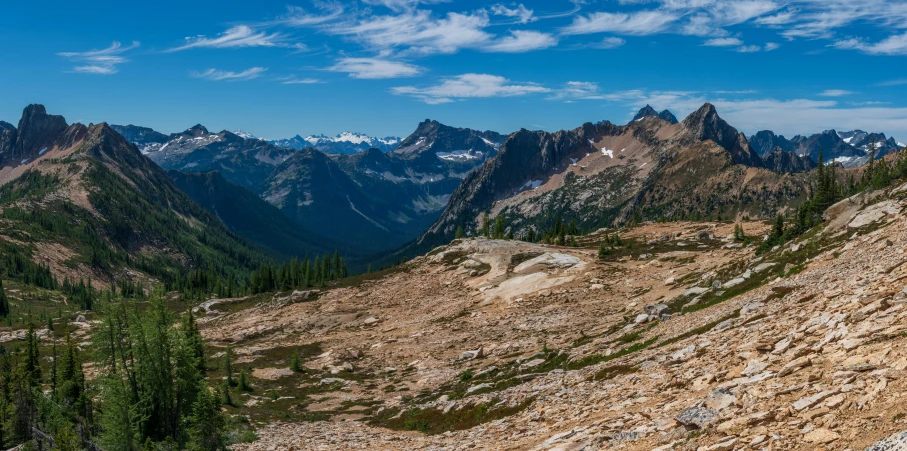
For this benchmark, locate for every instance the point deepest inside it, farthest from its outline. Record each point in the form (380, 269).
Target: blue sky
(381, 66)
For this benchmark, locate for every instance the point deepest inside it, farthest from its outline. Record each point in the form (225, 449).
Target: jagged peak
(6, 126)
(648, 111)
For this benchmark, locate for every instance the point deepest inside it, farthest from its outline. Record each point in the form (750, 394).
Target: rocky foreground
(685, 340)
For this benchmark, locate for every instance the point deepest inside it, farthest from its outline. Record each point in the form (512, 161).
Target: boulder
(656, 309)
(897, 442)
(697, 417)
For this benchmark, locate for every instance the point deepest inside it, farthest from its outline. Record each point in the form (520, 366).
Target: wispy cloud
(892, 45)
(294, 80)
(749, 48)
(769, 46)
(520, 13)
(898, 82)
(612, 42)
(299, 17)
(723, 42)
(835, 93)
(235, 37)
(469, 86)
(418, 32)
(638, 23)
(101, 62)
(375, 68)
(521, 41)
(222, 75)
(578, 90)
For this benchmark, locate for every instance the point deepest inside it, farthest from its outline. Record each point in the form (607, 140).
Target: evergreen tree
(295, 365)
(459, 233)
(499, 227)
(228, 366)
(207, 423)
(4, 302)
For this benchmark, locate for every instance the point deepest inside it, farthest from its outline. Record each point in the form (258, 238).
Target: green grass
(434, 421)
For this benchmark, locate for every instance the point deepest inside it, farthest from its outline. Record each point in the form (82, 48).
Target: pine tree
(228, 366)
(244, 382)
(499, 227)
(603, 251)
(207, 423)
(459, 233)
(225, 393)
(295, 365)
(4, 302)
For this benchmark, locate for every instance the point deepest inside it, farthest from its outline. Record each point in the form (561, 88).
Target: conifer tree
(207, 423)
(4, 302)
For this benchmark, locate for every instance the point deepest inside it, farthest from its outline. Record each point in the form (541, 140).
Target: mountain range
(373, 199)
(84, 202)
(344, 143)
(604, 175)
(851, 149)
(285, 201)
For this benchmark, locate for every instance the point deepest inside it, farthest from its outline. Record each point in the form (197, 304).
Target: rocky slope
(85, 202)
(252, 218)
(602, 175)
(680, 339)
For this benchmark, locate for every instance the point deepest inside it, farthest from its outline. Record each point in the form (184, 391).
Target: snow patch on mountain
(352, 138)
(459, 155)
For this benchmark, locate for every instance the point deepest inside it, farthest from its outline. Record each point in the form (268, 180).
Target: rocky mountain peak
(705, 124)
(37, 131)
(648, 111)
(196, 130)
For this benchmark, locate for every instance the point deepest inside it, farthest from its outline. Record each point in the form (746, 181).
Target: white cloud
(520, 13)
(298, 17)
(769, 46)
(294, 80)
(522, 41)
(375, 68)
(469, 86)
(609, 43)
(418, 32)
(735, 12)
(578, 90)
(749, 48)
(782, 18)
(892, 45)
(723, 42)
(835, 93)
(898, 82)
(222, 75)
(237, 36)
(101, 62)
(638, 23)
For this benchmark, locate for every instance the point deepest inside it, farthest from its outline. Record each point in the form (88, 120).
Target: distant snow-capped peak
(244, 134)
(352, 138)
